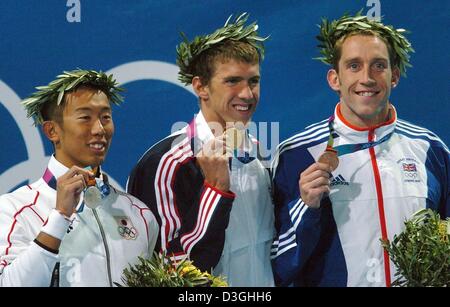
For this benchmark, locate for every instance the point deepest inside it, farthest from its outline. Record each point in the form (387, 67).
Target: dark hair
(53, 111)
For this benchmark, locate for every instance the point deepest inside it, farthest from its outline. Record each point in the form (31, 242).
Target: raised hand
(69, 187)
(314, 183)
(213, 161)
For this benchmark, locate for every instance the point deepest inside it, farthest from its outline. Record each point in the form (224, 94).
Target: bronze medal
(330, 157)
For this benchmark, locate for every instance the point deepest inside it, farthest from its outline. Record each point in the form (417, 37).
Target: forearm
(31, 263)
(203, 240)
(32, 268)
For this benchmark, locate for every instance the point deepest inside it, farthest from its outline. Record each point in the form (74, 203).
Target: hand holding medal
(330, 156)
(69, 188)
(215, 156)
(314, 182)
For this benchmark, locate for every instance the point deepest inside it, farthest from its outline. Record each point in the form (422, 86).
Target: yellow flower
(162, 271)
(444, 230)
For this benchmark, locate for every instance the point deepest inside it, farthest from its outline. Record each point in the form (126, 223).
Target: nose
(246, 93)
(97, 128)
(366, 78)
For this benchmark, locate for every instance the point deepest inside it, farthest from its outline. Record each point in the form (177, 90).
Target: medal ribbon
(99, 184)
(350, 148)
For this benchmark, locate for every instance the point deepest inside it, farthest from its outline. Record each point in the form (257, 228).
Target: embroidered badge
(409, 169)
(125, 228)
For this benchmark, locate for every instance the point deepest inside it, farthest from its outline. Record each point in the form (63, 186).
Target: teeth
(366, 94)
(242, 108)
(97, 146)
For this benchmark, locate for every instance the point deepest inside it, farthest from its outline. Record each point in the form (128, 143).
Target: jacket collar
(202, 131)
(355, 134)
(56, 169)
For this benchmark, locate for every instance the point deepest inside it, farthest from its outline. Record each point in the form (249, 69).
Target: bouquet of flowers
(162, 271)
(421, 252)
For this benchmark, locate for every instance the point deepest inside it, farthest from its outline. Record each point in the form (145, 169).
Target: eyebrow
(232, 77)
(358, 59)
(84, 109)
(241, 78)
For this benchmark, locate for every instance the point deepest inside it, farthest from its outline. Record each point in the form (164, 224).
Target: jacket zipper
(380, 201)
(102, 232)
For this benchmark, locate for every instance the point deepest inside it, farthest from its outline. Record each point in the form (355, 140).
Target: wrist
(222, 191)
(56, 225)
(66, 216)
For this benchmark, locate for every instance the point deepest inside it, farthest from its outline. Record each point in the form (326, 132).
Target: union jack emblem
(409, 167)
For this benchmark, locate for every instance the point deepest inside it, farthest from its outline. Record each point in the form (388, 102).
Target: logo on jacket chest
(409, 168)
(126, 228)
(338, 180)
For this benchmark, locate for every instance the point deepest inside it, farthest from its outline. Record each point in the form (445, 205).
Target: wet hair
(53, 111)
(205, 64)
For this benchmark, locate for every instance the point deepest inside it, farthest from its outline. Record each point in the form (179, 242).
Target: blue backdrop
(136, 40)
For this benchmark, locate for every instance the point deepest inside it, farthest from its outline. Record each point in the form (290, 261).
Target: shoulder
(24, 202)
(416, 132)
(20, 197)
(298, 144)
(309, 136)
(168, 146)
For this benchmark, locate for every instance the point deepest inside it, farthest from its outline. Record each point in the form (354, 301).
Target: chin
(244, 119)
(97, 162)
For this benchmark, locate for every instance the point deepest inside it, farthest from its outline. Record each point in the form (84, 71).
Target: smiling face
(84, 134)
(364, 80)
(232, 94)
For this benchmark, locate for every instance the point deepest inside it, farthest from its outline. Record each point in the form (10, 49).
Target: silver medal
(92, 197)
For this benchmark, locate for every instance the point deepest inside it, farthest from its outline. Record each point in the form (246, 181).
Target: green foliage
(331, 32)
(66, 82)
(421, 252)
(162, 271)
(187, 51)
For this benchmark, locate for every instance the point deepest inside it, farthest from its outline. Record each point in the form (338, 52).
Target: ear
(200, 89)
(333, 80)
(395, 77)
(52, 131)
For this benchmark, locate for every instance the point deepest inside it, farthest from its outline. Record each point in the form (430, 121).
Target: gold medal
(234, 138)
(330, 157)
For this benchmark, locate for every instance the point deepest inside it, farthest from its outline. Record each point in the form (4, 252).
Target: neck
(69, 163)
(365, 122)
(215, 122)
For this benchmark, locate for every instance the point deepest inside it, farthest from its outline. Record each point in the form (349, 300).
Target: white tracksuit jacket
(373, 191)
(100, 245)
